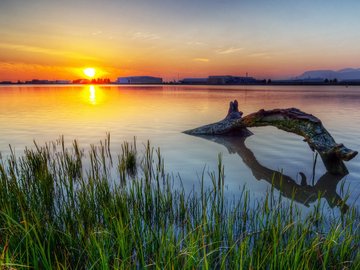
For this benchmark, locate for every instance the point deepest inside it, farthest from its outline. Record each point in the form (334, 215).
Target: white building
(139, 80)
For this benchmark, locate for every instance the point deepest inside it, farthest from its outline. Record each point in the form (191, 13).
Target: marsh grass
(57, 213)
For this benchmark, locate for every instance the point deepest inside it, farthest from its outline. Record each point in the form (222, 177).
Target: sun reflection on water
(92, 96)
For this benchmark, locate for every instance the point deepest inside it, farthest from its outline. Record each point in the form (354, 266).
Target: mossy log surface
(291, 120)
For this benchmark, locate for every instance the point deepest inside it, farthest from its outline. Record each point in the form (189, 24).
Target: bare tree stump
(230, 124)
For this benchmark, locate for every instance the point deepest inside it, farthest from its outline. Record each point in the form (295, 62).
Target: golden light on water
(89, 72)
(92, 96)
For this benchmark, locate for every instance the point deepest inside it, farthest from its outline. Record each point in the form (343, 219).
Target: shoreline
(198, 84)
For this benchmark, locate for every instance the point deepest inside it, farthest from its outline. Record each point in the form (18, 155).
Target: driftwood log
(291, 120)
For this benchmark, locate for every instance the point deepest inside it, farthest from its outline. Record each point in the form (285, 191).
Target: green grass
(57, 213)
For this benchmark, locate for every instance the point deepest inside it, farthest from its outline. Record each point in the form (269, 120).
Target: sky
(57, 39)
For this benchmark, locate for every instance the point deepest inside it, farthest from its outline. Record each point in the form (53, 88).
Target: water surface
(161, 113)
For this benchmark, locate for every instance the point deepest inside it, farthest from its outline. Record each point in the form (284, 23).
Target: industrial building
(194, 81)
(227, 79)
(219, 80)
(139, 80)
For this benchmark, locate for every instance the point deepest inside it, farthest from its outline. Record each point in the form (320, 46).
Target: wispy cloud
(34, 49)
(260, 54)
(25, 71)
(96, 33)
(195, 43)
(229, 50)
(145, 36)
(201, 60)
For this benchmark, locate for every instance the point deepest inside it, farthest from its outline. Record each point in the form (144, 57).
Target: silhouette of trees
(334, 81)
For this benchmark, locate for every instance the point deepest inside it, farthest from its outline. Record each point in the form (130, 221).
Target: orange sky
(58, 39)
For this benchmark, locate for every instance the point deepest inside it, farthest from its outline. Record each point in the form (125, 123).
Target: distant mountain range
(341, 75)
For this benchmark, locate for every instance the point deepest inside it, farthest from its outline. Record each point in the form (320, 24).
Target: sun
(90, 72)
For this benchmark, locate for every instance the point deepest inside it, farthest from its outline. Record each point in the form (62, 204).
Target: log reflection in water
(304, 192)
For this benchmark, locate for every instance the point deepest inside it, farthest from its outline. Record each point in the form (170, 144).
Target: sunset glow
(176, 39)
(89, 72)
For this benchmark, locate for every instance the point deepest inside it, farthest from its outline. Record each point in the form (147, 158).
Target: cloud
(145, 36)
(229, 50)
(34, 49)
(96, 33)
(201, 60)
(24, 71)
(260, 54)
(195, 43)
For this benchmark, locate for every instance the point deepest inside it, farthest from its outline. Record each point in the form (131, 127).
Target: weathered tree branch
(291, 120)
(231, 123)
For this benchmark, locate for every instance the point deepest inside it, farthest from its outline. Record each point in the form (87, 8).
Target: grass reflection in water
(57, 212)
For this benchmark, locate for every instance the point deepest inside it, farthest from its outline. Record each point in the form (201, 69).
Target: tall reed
(56, 212)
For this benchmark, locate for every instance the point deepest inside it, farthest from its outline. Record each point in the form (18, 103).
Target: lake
(161, 113)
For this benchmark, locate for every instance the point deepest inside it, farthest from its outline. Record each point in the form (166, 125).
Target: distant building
(37, 81)
(227, 79)
(62, 81)
(194, 81)
(139, 80)
(220, 80)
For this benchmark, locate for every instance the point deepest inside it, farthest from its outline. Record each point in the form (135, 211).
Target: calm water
(161, 113)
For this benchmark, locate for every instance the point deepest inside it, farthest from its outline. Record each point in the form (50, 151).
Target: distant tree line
(334, 81)
(264, 81)
(93, 81)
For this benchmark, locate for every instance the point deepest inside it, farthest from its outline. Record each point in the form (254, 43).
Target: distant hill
(341, 75)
